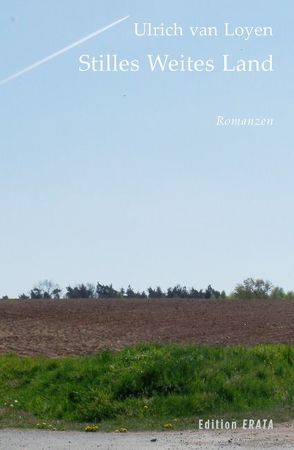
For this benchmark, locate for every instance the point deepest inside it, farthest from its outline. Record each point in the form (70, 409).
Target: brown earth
(77, 327)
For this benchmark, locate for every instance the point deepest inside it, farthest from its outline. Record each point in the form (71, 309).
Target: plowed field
(78, 327)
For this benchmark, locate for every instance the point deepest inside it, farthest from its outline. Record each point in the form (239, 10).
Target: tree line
(49, 290)
(249, 289)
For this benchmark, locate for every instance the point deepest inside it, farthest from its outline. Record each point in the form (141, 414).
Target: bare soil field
(79, 327)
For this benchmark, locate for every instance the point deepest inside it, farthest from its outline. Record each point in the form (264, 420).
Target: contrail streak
(60, 52)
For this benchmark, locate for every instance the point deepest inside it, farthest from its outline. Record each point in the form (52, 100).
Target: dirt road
(281, 437)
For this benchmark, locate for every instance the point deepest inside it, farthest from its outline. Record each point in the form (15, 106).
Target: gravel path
(281, 437)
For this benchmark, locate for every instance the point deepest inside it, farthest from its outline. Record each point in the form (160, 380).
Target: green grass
(144, 386)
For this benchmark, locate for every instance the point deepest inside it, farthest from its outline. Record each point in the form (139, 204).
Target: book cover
(147, 244)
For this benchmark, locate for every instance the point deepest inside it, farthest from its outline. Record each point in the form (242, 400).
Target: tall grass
(149, 381)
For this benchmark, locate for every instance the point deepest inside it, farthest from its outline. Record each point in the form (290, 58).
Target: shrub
(253, 288)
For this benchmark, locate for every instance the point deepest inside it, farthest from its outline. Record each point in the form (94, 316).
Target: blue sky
(124, 177)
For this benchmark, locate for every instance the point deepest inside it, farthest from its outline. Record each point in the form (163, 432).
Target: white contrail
(60, 52)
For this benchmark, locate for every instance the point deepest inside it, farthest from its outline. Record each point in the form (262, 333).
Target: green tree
(278, 293)
(253, 288)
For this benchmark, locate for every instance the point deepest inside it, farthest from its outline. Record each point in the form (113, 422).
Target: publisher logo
(245, 424)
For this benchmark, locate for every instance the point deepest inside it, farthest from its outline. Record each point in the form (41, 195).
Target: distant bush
(278, 293)
(260, 289)
(45, 290)
(251, 289)
(130, 293)
(105, 291)
(23, 297)
(80, 291)
(182, 292)
(155, 293)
